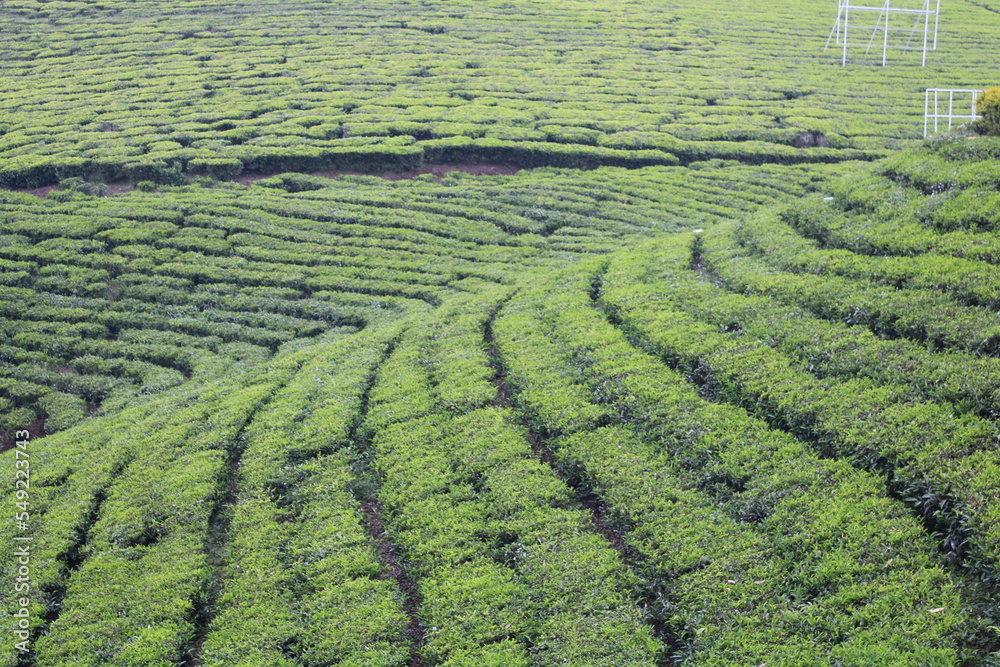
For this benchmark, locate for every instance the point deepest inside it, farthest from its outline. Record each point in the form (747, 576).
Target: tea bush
(988, 106)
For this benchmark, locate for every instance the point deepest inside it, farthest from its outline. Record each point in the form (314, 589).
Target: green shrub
(18, 418)
(220, 168)
(988, 106)
(77, 184)
(63, 410)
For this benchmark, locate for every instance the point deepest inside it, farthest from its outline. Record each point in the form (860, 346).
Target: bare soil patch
(118, 188)
(43, 191)
(35, 429)
(438, 170)
(392, 567)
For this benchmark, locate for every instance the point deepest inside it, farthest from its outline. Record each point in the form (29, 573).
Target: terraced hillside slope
(675, 392)
(123, 91)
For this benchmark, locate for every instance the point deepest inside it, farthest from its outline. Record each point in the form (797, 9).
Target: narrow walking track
(394, 568)
(218, 537)
(389, 553)
(583, 500)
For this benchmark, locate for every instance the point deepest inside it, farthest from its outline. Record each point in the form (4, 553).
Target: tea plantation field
(707, 374)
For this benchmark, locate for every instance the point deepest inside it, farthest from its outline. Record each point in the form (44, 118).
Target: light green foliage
(109, 299)
(300, 567)
(873, 424)
(705, 487)
(62, 410)
(520, 419)
(497, 560)
(988, 106)
(273, 86)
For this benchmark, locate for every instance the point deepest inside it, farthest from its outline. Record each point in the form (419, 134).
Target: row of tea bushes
(508, 571)
(938, 200)
(755, 545)
(316, 86)
(831, 349)
(946, 462)
(301, 583)
(917, 314)
(120, 512)
(156, 285)
(969, 282)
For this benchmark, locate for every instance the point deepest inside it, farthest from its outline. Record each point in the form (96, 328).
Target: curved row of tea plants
(120, 511)
(300, 582)
(940, 200)
(104, 293)
(125, 295)
(109, 92)
(675, 269)
(913, 313)
(754, 546)
(508, 571)
(927, 449)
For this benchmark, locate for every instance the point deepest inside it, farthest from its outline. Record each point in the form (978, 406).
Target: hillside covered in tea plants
(493, 334)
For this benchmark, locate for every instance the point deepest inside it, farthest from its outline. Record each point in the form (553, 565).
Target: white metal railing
(926, 35)
(935, 97)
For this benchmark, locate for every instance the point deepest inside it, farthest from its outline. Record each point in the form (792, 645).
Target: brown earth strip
(35, 429)
(583, 500)
(217, 540)
(393, 568)
(438, 170)
(389, 554)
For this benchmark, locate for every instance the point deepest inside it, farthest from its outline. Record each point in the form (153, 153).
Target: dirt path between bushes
(438, 170)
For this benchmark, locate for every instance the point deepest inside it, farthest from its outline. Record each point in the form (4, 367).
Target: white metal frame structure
(843, 29)
(934, 98)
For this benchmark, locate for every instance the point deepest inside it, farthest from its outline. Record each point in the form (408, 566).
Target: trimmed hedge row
(757, 546)
(123, 517)
(551, 394)
(772, 236)
(301, 584)
(946, 463)
(508, 574)
(37, 172)
(911, 313)
(879, 217)
(459, 366)
(827, 349)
